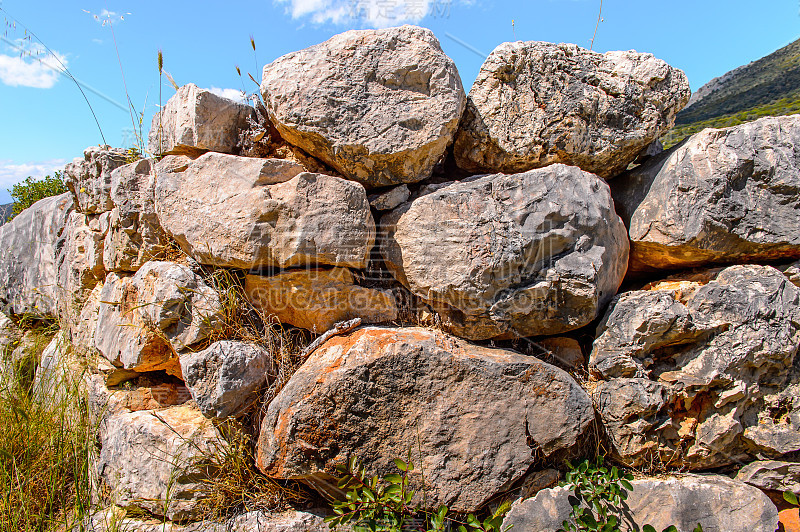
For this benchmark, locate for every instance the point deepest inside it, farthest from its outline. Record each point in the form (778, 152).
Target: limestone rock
(565, 351)
(390, 199)
(538, 103)
(134, 234)
(717, 503)
(792, 272)
(225, 377)
(537, 253)
(379, 106)
(378, 390)
(28, 256)
(79, 262)
(145, 319)
(724, 195)
(9, 333)
(83, 328)
(146, 459)
(106, 400)
(703, 378)
(771, 475)
(195, 120)
(89, 180)
(245, 213)
(317, 299)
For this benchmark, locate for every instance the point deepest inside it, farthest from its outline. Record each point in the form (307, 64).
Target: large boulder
(148, 459)
(701, 376)
(538, 103)
(134, 234)
(717, 503)
(89, 179)
(380, 392)
(196, 120)
(145, 320)
(28, 256)
(723, 195)
(246, 213)
(379, 106)
(537, 253)
(316, 299)
(225, 377)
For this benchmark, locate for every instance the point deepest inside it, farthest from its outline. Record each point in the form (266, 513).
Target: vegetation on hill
(771, 78)
(781, 107)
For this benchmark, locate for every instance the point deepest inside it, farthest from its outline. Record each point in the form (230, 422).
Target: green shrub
(384, 505)
(32, 190)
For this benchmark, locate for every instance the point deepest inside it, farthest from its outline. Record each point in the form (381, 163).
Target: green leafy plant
(791, 498)
(600, 492)
(32, 190)
(374, 504)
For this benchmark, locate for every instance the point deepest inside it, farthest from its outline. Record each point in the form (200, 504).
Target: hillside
(769, 86)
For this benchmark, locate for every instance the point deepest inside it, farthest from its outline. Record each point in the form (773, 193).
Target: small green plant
(791, 498)
(374, 504)
(600, 492)
(32, 190)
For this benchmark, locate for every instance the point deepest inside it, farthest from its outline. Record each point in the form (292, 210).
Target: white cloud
(31, 66)
(232, 94)
(372, 13)
(12, 173)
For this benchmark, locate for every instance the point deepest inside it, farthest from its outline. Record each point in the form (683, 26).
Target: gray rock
(717, 503)
(225, 377)
(390, 199)
(379, 106)
(114, 519)
(89, 180)
(246, 213)
(147, 459)
(134, 234)
(537, 253)
(195, 120)
(146, 319)
(538, 103)
(702, 378)
(771, 475)
(377, 391)
(316, 299)
(792, 272)
(28, 256)
(724, 195)
(9, 333)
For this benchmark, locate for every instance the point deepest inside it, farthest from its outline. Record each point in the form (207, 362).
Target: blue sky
(44, 121)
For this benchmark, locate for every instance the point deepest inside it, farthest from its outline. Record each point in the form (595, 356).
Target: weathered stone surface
(378, 390)
(317, 299)
(538, 103)
(792, 272)
(225, 377)
(379, 106)
(565, 351)
(537, 253)
(144, 320)
(701, 378)
(717, 503)
(82, 329)
(89, 180)
(114, 519)
(106, 400)
(771, 475)
(9, 333)
(724, 195)
(195, 120)
(28, 256)
(146, 459)
(134, 234)
(390, 199)
(244, 213)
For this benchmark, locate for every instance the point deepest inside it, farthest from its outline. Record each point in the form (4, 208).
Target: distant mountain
(5, 211)
(769, 86)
